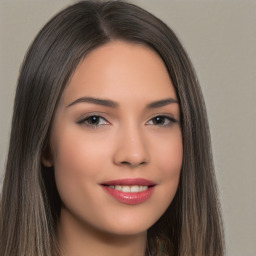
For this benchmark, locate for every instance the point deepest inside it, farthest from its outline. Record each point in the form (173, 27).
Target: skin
(126, 142)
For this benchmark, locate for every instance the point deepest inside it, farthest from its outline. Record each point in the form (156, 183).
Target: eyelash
(85, 121)
(170, 120)
(167, 121)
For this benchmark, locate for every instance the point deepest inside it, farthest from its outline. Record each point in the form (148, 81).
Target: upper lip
(130, 182)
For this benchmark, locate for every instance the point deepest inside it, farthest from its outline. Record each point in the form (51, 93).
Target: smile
(129, 191)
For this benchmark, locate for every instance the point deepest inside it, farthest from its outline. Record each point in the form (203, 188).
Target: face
(116, 143)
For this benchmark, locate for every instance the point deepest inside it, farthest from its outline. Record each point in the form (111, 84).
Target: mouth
(130, 191)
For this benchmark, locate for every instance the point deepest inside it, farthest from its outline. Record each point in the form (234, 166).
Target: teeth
(135, 189)
(126, 189)
(117, 187)
(129, 189)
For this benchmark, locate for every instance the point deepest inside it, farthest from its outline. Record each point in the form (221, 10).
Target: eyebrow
(113, 104)
(102, 102)
(162, 103)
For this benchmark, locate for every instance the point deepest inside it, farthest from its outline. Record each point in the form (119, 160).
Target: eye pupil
(159, 120)
(93, 120)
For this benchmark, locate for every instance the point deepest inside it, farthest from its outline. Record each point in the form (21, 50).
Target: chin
(128, 225)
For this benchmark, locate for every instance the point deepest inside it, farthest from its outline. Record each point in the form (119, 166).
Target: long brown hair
(30, 204)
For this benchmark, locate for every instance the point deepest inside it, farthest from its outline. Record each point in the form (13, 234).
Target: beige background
(220, 37)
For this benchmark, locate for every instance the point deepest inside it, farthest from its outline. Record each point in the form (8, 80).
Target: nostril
(133, 164)
(125, 163)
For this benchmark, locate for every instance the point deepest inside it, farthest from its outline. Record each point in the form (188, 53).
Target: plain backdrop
(220, 37)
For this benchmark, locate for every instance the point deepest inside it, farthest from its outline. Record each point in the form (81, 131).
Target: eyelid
(166, 116)
(82, 120)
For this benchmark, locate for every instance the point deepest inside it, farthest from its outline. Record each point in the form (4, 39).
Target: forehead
(120, 69)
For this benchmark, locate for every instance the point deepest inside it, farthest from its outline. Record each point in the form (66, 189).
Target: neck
(80, 239)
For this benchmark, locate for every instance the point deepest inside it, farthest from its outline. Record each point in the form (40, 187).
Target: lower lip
(129, 198)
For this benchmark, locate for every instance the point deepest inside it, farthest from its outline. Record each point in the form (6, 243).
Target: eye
(161, 121)
(93, 121)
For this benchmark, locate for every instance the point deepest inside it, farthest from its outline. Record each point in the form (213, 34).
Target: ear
(46, 157)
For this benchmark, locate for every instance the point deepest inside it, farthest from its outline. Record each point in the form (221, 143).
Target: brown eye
(161, 121)
(93, 121)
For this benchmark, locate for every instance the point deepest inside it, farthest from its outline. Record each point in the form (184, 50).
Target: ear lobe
(46, 158)
(46, 162)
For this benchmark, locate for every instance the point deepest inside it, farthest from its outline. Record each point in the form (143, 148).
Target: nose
(131, 149)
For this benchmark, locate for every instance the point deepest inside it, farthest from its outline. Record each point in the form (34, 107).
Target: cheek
(76, 153)
(75, 162)
(169, 156)
(78, 160)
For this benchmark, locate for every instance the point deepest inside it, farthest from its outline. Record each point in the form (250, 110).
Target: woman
(110, 150)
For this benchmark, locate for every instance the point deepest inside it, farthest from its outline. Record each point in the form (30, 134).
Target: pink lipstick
(129, 191)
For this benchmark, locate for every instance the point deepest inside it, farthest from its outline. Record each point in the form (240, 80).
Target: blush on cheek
(170, 161)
